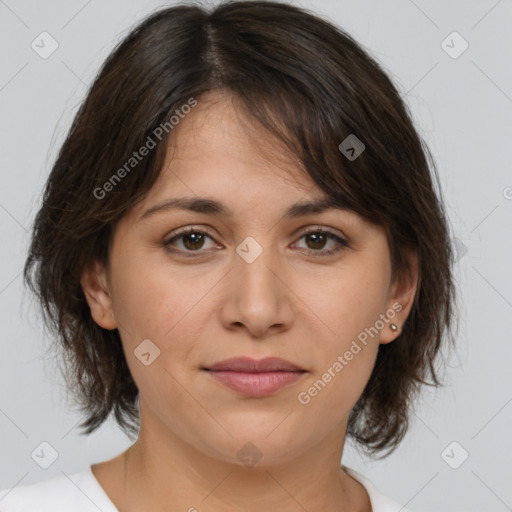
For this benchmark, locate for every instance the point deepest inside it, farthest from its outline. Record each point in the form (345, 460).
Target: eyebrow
(214, 207)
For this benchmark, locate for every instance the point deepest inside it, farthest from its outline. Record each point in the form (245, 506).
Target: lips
(255, 378)
(248, 365)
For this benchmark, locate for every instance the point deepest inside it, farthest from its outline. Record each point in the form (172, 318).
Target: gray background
(463, 108)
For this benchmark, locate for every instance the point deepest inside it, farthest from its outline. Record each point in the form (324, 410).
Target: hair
(310, 85)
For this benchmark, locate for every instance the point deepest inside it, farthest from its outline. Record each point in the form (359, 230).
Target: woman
(243, 256)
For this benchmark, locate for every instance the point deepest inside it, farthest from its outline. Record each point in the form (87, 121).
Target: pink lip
(256, 384)
(249, 365)
(255, 378)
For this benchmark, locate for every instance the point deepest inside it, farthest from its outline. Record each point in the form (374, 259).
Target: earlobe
(401, 299)
(96, 290)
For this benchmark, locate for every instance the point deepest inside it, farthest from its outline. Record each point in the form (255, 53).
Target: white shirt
(81, 492)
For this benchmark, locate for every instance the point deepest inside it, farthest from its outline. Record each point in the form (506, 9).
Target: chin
(270, 442)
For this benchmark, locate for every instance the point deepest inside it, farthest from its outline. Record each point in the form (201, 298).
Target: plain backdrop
(462, 104)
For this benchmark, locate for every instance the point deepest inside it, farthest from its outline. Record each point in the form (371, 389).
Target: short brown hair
(309, 84)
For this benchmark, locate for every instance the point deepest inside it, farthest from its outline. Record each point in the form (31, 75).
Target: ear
(401, 298)
(94, 283)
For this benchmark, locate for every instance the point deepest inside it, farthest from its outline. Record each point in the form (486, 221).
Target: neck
(162, 477)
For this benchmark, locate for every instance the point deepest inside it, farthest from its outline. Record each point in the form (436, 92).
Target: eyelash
(342, 243)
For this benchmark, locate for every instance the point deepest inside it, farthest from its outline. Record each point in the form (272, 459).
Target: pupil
(318, 236)
(196, 239)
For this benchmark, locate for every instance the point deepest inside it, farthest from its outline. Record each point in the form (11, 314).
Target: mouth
(249, 365)
(255, 378)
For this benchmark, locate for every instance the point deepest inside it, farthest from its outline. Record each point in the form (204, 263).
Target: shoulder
(62, 493)
(380, 502)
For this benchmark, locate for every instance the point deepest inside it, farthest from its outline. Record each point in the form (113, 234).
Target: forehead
(220, 161)
(220, 130)
(217, 149)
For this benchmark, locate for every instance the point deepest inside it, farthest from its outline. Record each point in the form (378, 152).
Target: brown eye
(317, 239)
(193, 240)
(188, 241)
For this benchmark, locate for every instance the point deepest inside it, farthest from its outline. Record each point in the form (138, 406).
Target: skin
(199, 310)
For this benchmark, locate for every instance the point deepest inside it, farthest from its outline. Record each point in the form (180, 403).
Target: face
(255, 281)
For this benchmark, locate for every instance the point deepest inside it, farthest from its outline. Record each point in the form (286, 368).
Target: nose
(257, 296)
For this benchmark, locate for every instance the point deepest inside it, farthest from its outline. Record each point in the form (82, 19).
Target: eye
(317, 239)
(192, 240)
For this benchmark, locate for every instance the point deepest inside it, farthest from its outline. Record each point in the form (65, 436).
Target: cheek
(349, 301)
(154, 300)
(343, 369)
(349, 307)
(169, 308)
(155, 304)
